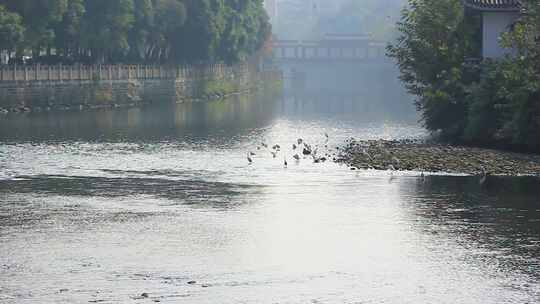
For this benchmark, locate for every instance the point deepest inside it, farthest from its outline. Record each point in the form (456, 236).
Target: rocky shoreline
(423, 156)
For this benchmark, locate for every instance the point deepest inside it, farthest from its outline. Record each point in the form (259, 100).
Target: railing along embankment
(25, 88)
(79, 72)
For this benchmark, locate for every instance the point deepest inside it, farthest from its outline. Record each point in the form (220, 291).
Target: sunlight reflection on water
(107, 212)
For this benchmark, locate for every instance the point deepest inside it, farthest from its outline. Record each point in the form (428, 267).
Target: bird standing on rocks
(483, 176)
(285, 162)
(307, 149)
(366, 154)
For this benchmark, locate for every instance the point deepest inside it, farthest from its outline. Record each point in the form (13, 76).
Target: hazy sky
(306, 19)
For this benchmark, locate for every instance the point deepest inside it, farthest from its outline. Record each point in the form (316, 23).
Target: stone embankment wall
(45, 88)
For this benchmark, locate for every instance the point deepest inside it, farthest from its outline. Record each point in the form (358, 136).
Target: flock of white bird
(300, 147)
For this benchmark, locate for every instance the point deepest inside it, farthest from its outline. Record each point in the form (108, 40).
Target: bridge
(352, 48)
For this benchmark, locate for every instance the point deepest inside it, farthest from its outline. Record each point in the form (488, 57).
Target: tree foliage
(246, 21)
(67, 30)
(435, 40)
(495, 102)
(39, 17)
(505, 104)
(11, 30)
(510, 88)
(105, 28)
(154, 31)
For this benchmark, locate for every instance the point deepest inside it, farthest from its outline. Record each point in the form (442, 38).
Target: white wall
(496, 23)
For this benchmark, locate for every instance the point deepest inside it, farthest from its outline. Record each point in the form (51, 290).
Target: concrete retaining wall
(39, 88)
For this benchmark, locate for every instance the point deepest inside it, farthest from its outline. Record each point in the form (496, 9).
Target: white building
(497, 18)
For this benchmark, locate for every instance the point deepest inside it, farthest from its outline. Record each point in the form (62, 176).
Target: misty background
(364, 84)
(312, 19)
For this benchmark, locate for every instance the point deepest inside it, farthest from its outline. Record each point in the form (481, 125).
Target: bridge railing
(302, 51)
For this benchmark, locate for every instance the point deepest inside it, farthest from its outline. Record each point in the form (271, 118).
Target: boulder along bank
(415, 155)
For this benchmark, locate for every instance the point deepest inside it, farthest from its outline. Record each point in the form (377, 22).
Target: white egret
(483, 176)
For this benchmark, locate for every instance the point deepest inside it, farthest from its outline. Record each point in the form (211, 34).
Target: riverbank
(416, 155)
(59, 88)
(214, 96)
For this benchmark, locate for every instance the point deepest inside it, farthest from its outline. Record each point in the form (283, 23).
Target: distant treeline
(134, 31)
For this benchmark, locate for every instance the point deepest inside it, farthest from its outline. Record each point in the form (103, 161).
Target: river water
(103, 206)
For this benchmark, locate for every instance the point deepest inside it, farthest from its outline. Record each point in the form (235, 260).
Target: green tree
(247, 28)
(173, 31)
(494, 102)
(39, 17)
(68, 30)
(203, 30)
(435, 38)
(11, 30)
(525, 36)
(140, 34)
(105, 28)
(505, 103)
(170, 17)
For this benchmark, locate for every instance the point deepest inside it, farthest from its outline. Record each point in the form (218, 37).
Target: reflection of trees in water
(499, 219)
(160, 122)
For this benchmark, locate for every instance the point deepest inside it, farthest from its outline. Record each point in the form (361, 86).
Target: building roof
(494, 5)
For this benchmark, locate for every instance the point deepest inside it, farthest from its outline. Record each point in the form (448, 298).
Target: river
(159, 204)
